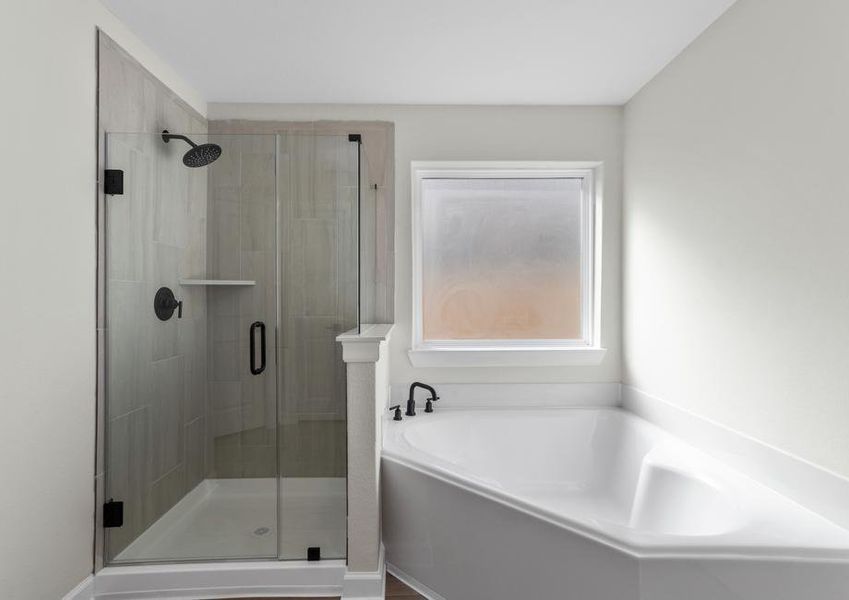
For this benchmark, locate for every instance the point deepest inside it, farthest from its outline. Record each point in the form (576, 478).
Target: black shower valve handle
(164, 304)
(178, 306)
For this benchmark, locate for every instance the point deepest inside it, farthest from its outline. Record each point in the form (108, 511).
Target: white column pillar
(366, 357)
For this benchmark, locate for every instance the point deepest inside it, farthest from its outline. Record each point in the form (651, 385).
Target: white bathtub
(589, 504)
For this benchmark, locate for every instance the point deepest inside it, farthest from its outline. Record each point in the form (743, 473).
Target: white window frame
(463, 353)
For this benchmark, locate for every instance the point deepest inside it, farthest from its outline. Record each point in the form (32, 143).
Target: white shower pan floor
(237, 518)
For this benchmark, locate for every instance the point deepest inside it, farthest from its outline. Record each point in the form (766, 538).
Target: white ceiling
(418, 51)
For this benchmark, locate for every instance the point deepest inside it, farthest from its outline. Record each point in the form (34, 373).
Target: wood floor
(394, 589)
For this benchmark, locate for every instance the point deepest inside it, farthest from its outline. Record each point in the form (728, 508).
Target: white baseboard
(412, 583)
(370, 585)
(84, 590)
(814, 487)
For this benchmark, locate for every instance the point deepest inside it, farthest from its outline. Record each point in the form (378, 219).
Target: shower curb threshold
(211, 580)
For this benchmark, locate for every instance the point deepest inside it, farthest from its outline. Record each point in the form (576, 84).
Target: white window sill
(506, 357)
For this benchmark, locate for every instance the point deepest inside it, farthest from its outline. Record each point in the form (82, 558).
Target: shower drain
(261, 530)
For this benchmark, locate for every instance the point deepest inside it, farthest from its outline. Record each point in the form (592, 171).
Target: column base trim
(369, 585)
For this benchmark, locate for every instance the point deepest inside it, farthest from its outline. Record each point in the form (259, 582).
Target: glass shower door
(190, 439)
(229, 271)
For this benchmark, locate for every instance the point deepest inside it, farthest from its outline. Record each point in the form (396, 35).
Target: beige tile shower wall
(377, 219)
(317, 177)
(317, 194)
(242, 245)
(153, 399)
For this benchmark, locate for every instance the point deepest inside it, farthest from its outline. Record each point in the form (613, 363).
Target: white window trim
(505, 353)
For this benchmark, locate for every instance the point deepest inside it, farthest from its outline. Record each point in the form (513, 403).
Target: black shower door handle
(254, 326)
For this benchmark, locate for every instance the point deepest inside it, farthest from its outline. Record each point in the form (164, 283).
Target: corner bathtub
(590, 504)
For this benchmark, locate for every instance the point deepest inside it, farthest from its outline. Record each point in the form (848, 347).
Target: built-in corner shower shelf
(219, 282)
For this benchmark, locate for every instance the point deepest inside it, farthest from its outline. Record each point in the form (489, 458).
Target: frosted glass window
(503, 258)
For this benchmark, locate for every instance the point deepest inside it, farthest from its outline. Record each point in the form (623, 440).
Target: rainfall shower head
(199, 155)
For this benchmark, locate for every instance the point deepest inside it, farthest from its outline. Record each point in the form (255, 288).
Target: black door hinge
(113, 182)
(113, 513)
(355, 137)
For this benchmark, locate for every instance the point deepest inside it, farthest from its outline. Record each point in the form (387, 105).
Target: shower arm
(167, 137)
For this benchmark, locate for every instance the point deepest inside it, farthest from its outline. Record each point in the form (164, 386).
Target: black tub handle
(254, 326)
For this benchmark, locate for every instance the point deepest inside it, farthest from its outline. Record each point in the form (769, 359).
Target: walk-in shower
(224, 426)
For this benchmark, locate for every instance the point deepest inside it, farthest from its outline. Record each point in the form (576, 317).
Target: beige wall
(736, 270)
(47, 266)
(483, 133)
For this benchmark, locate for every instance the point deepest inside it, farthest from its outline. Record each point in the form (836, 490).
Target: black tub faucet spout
(411, 401)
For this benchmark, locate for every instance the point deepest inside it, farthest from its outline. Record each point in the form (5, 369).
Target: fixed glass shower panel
(231, 265)
(319, 181)
(191, 313)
